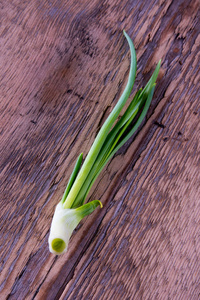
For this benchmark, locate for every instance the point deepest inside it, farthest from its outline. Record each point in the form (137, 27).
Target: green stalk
(72, 177)
(96, 147)
(71, 209)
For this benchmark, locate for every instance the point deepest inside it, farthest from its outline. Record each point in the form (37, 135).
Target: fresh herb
(71, 209)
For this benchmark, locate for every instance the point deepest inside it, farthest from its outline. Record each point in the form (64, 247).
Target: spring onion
(72, 208)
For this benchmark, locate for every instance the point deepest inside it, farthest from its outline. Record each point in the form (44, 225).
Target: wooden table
(64, 65)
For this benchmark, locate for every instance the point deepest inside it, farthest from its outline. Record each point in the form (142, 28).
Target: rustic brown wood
(63, 67)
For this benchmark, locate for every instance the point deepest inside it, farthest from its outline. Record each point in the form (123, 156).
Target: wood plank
(63, 67)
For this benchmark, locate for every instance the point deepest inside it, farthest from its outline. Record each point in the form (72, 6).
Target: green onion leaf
(72, 177)
(71, 209)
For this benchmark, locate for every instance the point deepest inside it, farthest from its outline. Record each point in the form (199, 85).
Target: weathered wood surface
(63, 67)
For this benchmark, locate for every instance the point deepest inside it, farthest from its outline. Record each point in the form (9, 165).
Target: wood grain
(63, 66)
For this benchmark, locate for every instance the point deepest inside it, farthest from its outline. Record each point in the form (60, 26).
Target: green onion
(71, 209)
